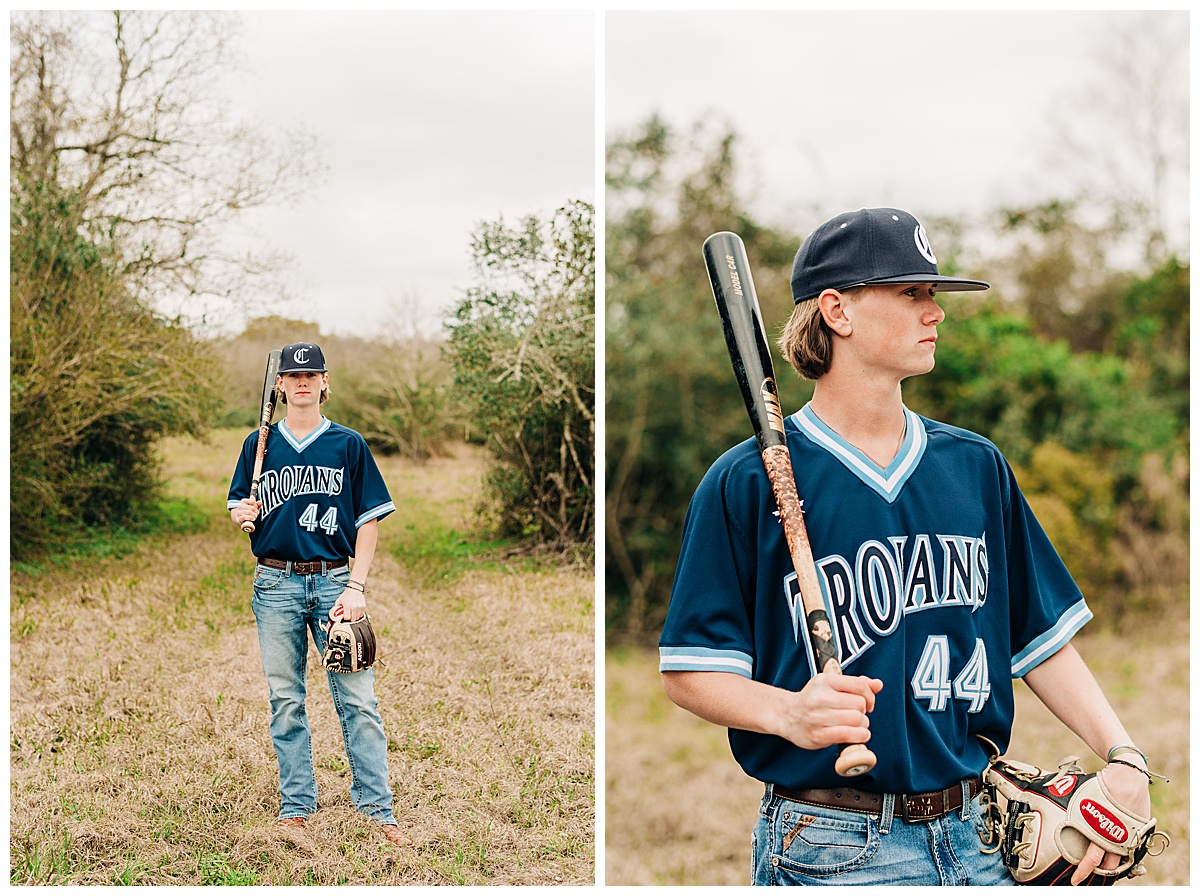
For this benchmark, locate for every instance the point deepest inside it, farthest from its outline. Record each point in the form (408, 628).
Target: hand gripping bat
(737, 303)
(264, 426)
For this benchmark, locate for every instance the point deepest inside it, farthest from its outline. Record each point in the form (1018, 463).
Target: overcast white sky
(430, 123)
(935, 112)
(433, 122)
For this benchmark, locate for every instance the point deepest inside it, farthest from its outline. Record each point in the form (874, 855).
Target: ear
(833, 309)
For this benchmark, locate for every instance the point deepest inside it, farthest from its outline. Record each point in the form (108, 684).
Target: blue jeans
(797, 843)
(287, 607)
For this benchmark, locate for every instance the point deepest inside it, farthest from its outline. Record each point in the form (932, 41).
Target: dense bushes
(96, 378)
(522, 347)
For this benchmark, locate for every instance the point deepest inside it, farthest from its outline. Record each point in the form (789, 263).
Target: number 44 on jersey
(931, 680)
(327, 523)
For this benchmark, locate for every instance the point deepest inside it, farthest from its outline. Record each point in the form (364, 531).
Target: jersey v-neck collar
(887, 482)
(300, 444)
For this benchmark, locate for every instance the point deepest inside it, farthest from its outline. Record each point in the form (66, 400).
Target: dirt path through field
(140, 751)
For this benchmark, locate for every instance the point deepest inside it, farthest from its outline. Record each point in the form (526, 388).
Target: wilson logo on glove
(350, 646)
(1063, 785)
(1102, 822)
(1043, 821)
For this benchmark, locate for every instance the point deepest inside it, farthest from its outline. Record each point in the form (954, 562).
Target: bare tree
(1121, 140)
(125, 108)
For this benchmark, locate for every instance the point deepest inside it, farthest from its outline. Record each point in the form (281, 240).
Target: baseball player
(940, 584)
(321, 498)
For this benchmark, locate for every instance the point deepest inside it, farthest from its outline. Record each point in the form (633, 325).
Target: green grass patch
(215, 871)
(31, 863)
(440, 554)
(227, 588)
(73, 544)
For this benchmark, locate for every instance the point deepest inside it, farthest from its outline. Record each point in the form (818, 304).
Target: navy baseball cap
(871, 245)
(302, 356)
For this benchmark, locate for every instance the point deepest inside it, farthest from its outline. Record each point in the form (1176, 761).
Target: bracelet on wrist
(1150, 776)
(1125, 748)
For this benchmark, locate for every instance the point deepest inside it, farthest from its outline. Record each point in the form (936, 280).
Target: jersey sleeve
(1047, 607)
(709, 619)
(370, 493)
(239, 486)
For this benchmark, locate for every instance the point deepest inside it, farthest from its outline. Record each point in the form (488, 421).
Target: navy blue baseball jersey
(937, 580)
(316, 492)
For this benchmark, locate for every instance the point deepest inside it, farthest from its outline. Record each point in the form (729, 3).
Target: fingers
(832, 709)
(858, 685)
(350, 605)
(1091, 861)
(853, 734)
(246, 511)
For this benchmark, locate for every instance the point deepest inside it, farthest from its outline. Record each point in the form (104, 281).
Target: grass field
(139, 749)
(679, 809)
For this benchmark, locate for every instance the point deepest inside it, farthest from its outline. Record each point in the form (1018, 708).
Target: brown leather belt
(910, 807)
(304, 567)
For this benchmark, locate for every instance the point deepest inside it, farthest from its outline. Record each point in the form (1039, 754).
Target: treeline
(98, 379)
(126, 173)
(1076, 368)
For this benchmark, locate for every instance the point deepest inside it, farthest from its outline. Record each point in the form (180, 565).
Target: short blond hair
(807, 341)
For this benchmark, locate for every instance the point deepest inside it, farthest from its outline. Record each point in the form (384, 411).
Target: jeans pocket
(267, 579)
(809, 846)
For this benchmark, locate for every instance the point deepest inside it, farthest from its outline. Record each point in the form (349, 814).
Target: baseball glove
(1042, 822)
(349, 646)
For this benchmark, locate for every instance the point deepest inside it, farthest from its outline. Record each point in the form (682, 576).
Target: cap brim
(945, 284)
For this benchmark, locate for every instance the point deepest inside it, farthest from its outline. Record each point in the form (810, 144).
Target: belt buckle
(919, 807)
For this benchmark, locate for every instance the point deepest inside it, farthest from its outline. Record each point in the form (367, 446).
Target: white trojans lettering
(280, 486)
(867, 598)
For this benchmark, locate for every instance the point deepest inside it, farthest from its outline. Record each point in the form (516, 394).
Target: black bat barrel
(737, 303)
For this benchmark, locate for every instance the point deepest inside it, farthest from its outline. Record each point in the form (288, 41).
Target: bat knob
(247, 527)
(854, 760)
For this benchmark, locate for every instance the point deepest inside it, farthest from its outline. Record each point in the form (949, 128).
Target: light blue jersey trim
(229, 505)
(301, 444)
(886, 482)
(704, 659)
(1051, 642)
(375, 513)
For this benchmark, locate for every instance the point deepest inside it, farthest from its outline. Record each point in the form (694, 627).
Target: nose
(935, 315)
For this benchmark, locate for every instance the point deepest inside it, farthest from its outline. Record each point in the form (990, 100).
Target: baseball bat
(264, 426)
(737, 303)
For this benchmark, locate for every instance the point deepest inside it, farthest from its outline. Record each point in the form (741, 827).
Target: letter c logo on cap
(922, 241)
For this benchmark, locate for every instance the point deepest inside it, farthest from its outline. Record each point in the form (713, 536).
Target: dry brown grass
(140, 751)
(678, 809)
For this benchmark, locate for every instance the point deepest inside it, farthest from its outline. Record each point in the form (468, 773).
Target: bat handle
(248, 525)
(853, 760)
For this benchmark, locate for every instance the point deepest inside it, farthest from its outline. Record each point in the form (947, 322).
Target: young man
(321, 498)
(941, 586)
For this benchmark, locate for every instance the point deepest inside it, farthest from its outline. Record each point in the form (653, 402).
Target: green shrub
(96, 378)
(522, 347)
